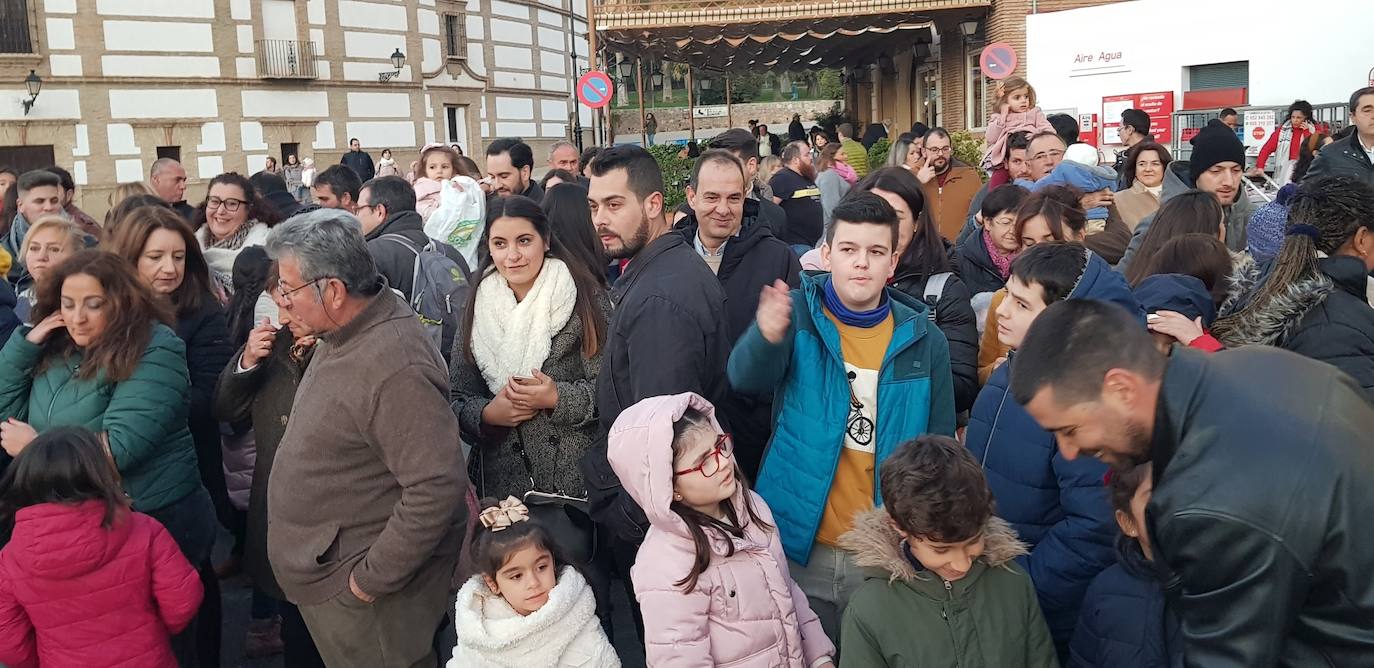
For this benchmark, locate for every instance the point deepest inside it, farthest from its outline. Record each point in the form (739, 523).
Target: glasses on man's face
(229, 203)
(284, 292)
(940, 150)
(1043, 155)
(716, 460)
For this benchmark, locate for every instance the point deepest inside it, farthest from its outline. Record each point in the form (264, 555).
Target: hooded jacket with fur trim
(745, 611)
(904, 615)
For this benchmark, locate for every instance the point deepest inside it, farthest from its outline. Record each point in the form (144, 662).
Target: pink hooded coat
(745, 612)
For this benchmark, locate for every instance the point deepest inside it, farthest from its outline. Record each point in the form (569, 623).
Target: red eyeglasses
(715, 460)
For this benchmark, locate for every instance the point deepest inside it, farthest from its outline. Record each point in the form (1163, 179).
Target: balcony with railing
(286, 59)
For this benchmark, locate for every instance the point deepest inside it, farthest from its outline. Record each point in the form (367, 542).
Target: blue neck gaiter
(863, 319)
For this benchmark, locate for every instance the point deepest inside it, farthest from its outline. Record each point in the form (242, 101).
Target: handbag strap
(525, 459)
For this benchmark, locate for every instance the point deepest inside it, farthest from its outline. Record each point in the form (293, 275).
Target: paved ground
(237, 594)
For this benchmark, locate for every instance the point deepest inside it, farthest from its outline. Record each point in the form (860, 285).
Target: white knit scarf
(565, 632)
(511, 338)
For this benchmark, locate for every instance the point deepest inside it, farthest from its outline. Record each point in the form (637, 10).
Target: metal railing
(286, 59)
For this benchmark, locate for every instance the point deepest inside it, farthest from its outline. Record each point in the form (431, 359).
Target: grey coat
(264, 395)
(554, 440)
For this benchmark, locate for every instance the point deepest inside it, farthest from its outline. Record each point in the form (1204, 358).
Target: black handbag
(565, 517)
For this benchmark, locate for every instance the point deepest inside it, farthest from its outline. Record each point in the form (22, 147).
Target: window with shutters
(455, 36)
(1219, 75)
(14, 27)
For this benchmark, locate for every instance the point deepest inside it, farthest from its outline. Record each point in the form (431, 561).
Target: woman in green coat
(101, 357)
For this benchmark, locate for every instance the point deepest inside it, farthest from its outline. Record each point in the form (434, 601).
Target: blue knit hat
(1181, 293)
(1264, 234)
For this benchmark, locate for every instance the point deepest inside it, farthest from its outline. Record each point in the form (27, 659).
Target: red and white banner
(1159, 106)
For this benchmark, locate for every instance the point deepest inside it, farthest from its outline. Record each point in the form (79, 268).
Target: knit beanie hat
(1264, 233)
(1180, 293)
(1215, 144)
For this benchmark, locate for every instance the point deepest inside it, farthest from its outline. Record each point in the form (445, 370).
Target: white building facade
(223, 84)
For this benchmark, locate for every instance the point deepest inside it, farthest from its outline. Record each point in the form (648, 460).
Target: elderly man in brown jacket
(365, 503)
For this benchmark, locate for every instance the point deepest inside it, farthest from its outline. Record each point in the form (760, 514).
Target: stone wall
(776, 115)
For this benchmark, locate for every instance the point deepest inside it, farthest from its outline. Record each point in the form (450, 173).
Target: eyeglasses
(284, 294)
(1056, 153)
(940, 150)
(715, 460)
(230, 204)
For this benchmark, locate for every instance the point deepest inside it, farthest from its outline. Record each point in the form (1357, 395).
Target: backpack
(439, 288)
(935, 289)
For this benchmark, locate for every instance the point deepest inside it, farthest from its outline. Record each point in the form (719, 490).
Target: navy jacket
(1126, 622)
(1059, 507)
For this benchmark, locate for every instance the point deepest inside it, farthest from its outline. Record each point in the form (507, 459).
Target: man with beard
(745, 256)
(509, 164)
(949, 185)
(1216, 165)
(1263, 479)
(794, 188)
(669, 333)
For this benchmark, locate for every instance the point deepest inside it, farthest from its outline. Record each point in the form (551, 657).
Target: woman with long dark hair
(525, 360)
(1194, 211)
(275, 357)
(570, 220)
(103, 356)
(926, 272)
(1313, 299)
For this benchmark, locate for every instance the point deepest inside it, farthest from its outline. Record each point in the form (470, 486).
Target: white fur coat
(565, 633)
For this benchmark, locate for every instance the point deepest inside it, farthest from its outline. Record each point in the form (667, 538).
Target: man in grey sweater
(365, 503)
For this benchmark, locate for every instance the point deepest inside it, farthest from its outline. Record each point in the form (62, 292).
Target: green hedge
(877, 154)
(676, 172)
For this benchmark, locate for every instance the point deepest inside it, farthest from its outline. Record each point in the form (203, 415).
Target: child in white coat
(525, 607)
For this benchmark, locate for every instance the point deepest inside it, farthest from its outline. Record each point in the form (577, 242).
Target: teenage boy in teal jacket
(856, 369)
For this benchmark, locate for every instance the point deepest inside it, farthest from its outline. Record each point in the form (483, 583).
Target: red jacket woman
(73, 593)
(1287, 140)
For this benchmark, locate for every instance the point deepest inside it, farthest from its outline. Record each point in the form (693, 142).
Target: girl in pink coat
(85, 581)
(711, 576)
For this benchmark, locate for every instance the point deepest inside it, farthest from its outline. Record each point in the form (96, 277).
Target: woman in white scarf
(525, 361)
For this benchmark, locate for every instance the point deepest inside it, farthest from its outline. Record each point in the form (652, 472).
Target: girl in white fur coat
(525, 608)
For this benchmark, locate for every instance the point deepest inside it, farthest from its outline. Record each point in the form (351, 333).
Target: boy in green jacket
(942, 588)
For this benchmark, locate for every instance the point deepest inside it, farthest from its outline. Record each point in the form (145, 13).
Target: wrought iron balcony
(286, 59)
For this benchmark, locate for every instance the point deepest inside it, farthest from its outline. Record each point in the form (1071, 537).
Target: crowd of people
(839, 414)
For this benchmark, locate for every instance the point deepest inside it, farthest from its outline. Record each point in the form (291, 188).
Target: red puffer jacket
(73, 593)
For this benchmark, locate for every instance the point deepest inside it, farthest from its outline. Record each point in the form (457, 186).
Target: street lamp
(398, 60)
(34, 84)
(624, 67)
(969, 27)
(657, 76)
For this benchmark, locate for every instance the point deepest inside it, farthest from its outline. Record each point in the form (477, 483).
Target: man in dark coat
(359, 161)
(1354, 155)
(669, 333)
(1263, 479)
(386, 206)
(745, 256)
(746, 147)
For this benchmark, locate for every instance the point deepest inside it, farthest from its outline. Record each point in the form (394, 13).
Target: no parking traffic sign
(998, 60)
(595, 89)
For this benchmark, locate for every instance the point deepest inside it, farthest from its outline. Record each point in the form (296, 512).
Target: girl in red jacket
(85, 581)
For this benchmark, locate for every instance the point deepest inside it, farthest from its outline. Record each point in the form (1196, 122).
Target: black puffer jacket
(752, 259)
(206, 334)
(953, 314)
(1263, 490)
(975, 266)
(1327, 318)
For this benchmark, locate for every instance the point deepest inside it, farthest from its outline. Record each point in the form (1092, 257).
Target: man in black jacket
(1263, 479)
(359, 161)
(745, 147)
(745, 256)
(1354, 155)
(510, 163)
(386, 206)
